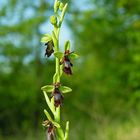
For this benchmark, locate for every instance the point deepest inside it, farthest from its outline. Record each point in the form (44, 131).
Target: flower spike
(62, 64)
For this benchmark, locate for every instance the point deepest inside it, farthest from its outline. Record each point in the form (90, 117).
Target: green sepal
(67, 45)
(46, 38)
(73, 56)
(59, 55)
(65, 89)
(47, 88)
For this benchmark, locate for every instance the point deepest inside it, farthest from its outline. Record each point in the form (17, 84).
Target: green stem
(67, 131)
(57, 116)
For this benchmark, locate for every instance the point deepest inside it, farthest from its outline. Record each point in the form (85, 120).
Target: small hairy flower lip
(56, 93)
(49, 48)
(68, 70)
(50, 131)
(67, 63)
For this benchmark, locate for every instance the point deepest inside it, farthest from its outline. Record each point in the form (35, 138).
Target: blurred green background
(105, 102)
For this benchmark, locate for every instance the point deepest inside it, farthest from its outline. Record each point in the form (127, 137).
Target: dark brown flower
(49, 49)
(58, 98)
(50, 130)
(67, 63)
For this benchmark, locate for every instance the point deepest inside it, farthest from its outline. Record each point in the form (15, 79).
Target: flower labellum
(67, 63)
(50, 130)
(49, 49)
(67, 66)
(58, 98)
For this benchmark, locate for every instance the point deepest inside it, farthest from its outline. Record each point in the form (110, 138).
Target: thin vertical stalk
(52, 42)
(57, 116)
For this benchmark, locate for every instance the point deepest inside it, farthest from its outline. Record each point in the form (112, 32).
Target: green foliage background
(105, 102)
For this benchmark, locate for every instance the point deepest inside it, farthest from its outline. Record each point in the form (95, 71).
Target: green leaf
(59, 55)
(50, 103)
(67, 45)
(48, 115)
(65, 89)
(46, 38)
(67, 131)
(73, 56)
(48, 88)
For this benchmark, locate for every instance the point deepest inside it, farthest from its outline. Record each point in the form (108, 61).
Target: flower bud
(53, 20)
(56, 7)
(61, 6)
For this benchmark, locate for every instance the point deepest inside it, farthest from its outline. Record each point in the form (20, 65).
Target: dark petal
(67, 70)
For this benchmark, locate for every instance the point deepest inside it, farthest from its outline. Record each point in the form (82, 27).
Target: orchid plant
(63, 65)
